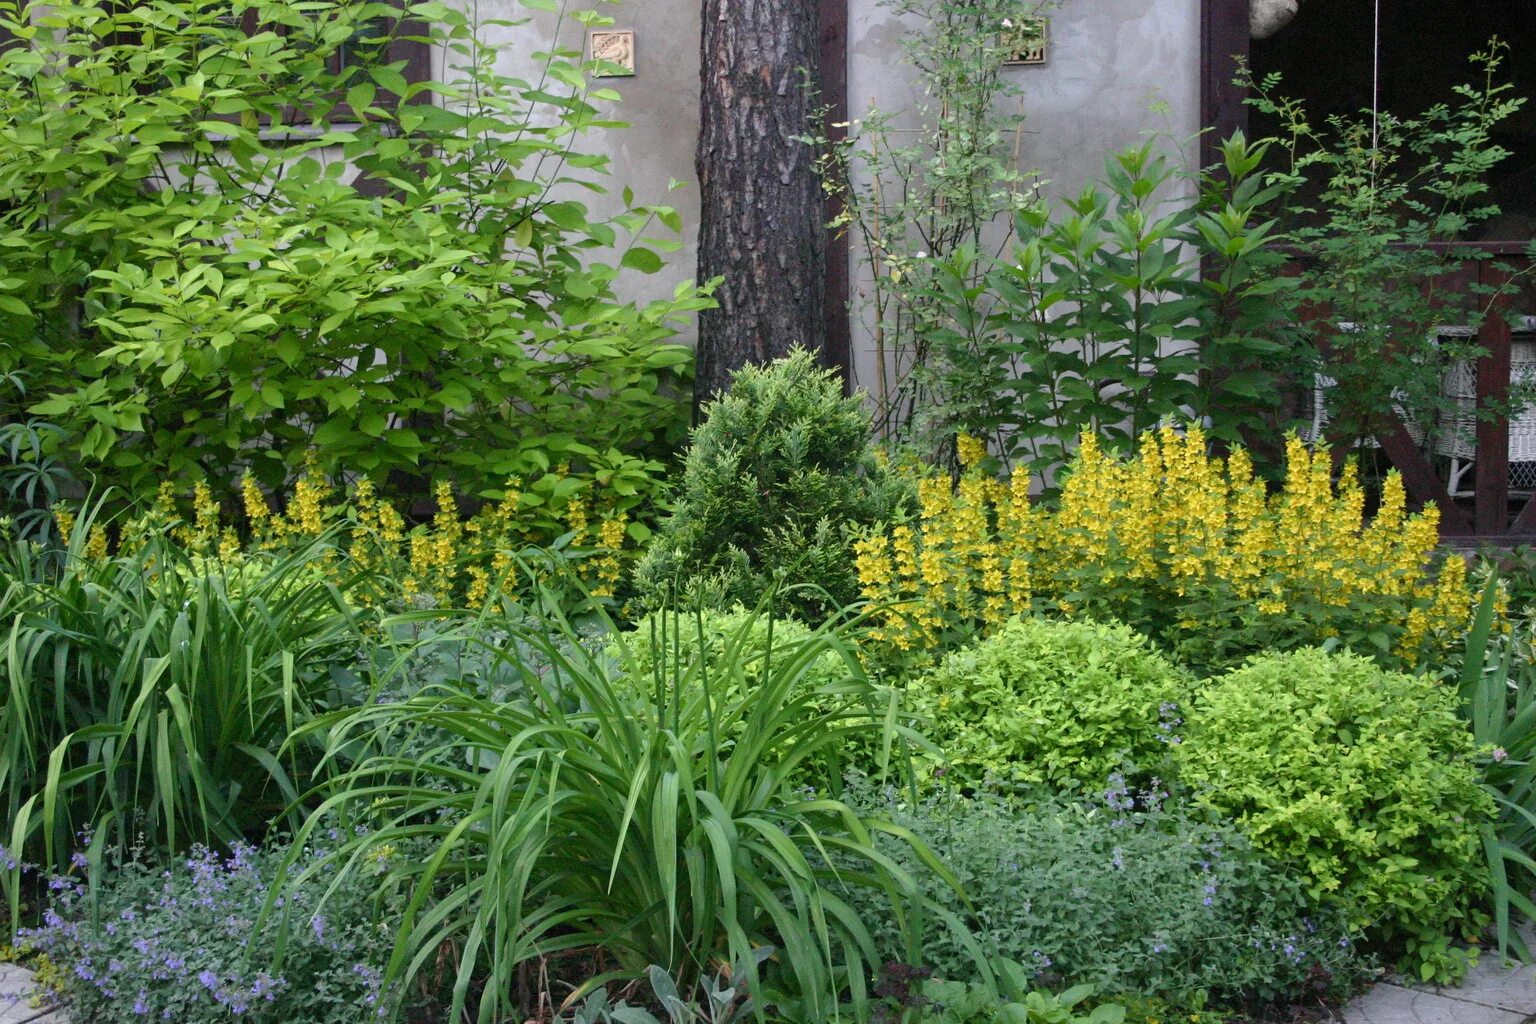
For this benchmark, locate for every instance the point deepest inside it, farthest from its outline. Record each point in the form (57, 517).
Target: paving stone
(16, 990)
(1491, 983)
(1393, 1004)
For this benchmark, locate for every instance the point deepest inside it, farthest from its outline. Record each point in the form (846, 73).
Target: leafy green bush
(1127, 893)
(617, 824)
(195, 288)
(156, 943)
(1042, 701)
(1360, 780)
(149, 696)
(780, 471)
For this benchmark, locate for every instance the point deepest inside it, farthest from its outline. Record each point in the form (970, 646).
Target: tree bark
(761, 226)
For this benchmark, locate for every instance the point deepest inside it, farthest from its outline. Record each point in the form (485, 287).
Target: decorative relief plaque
(1025, 42)
(614, 46)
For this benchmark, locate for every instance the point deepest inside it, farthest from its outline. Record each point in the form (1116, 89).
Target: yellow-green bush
(1361, 779)
(1190, 548)
(1061, 703)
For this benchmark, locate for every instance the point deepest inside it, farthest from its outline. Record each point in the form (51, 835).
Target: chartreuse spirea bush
(779, 473)
(1190, 548)
(1362, 780)
(194, 285)
(1061, 703)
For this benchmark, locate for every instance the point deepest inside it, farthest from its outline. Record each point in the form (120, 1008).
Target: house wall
(1116, 69)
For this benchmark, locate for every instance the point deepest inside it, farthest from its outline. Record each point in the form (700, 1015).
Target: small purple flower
(140, 1007)
(317, 925)
(208, 979)
(1499, 753)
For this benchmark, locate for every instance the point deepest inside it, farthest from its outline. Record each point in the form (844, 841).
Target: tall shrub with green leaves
(1371, 202)
(196, 286)
(1147, 296)
(779, 474)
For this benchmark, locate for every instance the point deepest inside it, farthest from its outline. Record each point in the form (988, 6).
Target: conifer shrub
(780, 472)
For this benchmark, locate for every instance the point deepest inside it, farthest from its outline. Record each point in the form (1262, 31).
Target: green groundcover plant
(195, 286)
(1361, 780)
(1045, 701)
(1127, 891)
(178, 942)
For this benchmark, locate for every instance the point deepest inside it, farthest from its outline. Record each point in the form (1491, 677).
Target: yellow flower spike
(96, 544)
(970, 450)
(64, 522)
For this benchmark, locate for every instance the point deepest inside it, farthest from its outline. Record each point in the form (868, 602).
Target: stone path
(1492, 994)
(16, 998)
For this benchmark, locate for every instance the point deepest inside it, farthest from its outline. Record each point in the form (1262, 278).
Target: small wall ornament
(614, 47)
(1025, 41)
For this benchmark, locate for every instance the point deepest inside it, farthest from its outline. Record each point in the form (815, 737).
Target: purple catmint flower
(1499, 753)
(208, 979)
(140, 1007)
(317, 925)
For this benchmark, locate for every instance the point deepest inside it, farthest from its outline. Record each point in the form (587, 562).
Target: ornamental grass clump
(1059, 703)
(1190, 548)
(1361, 779)
(671, 834)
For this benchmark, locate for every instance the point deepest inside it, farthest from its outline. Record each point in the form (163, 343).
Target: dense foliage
(1190, 548)
(151, 696)
(1360, 779)
(778, 474)
(1050, 888)
(667, 833)
(179, 943)
(1067, 704)
(195, 288)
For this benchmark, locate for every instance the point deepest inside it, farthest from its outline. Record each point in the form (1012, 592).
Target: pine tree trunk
(761, 227)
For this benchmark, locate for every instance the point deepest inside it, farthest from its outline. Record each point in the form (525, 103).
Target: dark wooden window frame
(1223, 46)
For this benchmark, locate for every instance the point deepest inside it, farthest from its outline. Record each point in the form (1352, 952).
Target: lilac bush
(182, 943)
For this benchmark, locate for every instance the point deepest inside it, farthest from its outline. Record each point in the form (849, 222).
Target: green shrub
(1360, 779)
(1042, 701)
(779, 473)
(194, 287)
(157, 941)
(1127, 892)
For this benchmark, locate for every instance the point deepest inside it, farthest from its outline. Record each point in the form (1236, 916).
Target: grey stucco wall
(1116, 68)
(660, 103)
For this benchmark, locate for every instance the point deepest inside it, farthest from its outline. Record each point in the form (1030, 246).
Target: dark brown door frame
(1223, 46)
(836, 343)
